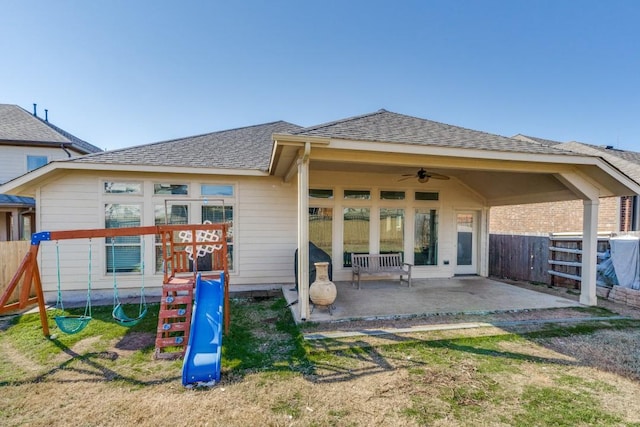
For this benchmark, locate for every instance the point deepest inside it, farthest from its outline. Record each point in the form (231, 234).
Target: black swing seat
(121, 317)
(72, 324)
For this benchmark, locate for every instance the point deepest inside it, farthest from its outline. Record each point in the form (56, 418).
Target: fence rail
(11, 254)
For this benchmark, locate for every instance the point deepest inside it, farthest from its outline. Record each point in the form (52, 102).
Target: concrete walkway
(381, 299)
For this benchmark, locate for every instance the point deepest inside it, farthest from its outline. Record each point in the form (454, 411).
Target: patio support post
(303, 232)
(589, 252)
(483, 268)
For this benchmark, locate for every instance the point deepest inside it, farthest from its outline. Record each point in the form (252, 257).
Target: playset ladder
(174, 320)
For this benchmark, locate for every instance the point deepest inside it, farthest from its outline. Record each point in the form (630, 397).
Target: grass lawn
(556, 375)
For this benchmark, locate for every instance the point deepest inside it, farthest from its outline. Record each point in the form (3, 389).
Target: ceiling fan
(423, 176)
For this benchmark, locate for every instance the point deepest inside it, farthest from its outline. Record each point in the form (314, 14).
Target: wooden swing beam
(28, 274)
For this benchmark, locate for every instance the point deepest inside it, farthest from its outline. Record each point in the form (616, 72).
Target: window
(426, 237)
(34, 162)
(216, 190)
(392, 195)
(175, 214)
(356, 233)
(357, 194)
(113, 187)
(173, 189)
(315, 193)
(123, 254)
(218, 214)
(320, 228)
(422, 195)
(391, 231)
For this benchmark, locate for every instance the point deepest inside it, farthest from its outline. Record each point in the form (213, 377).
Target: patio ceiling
(500, 178)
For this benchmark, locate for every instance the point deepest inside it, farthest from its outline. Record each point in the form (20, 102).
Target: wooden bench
(379, 264)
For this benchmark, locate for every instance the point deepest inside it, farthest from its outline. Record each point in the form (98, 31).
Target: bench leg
(408, 279)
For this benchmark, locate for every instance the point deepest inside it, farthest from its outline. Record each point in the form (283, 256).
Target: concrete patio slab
(381, 299)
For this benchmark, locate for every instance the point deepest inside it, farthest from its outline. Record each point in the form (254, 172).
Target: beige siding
(70, 202)
(13, 159)
(265, 224)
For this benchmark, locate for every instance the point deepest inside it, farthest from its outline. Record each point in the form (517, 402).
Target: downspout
(64, 148)
(303, 232)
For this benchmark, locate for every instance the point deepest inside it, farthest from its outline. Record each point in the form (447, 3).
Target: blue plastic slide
(201, 366)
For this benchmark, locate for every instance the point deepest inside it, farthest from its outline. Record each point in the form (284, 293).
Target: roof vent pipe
(46, 115)
(35, 110)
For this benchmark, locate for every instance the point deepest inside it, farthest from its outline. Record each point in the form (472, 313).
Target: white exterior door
(466, 242)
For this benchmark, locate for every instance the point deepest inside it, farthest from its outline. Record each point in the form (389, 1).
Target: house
(616, 214)
(379, 182)
(28, 142)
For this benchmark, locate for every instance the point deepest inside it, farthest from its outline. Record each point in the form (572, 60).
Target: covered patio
(425, 189)
(383, 299)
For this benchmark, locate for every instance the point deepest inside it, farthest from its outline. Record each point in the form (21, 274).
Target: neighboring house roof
(243, 148)
(628, 162)
(536, 139)
(7, 200)
(385, 126)
(19, 127)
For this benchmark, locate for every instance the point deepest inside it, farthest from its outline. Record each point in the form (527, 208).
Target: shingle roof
(385, 126)
(242, 148)
(536, 139)
(628, 162)
(19, 126)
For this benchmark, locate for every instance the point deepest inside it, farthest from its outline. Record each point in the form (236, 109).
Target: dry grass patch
(470, 377)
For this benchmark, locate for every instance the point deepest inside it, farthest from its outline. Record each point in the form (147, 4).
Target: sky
(120, 73)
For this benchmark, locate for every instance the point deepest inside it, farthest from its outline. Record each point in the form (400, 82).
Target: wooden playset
(183, 246)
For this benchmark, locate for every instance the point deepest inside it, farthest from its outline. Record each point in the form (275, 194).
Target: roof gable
(19, 127)
(385, 126)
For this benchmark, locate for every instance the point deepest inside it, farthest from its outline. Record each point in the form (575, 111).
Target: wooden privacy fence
(524, 258)
(11, 254)
(554, 259)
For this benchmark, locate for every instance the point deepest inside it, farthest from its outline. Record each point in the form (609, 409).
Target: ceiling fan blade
(405, 178)
(434, 175)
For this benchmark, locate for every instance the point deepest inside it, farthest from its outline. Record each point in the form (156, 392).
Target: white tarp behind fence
(625, 255)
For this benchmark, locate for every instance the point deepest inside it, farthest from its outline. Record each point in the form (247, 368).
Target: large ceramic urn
(322, 291)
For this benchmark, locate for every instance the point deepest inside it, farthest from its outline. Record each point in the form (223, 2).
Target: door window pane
(465, 238)
(356, 233)
(425, 251)
(175, 214)
(217, 215)
(320, 228)
(391, 231)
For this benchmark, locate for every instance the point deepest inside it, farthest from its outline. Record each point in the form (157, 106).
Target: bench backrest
(376, 262)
